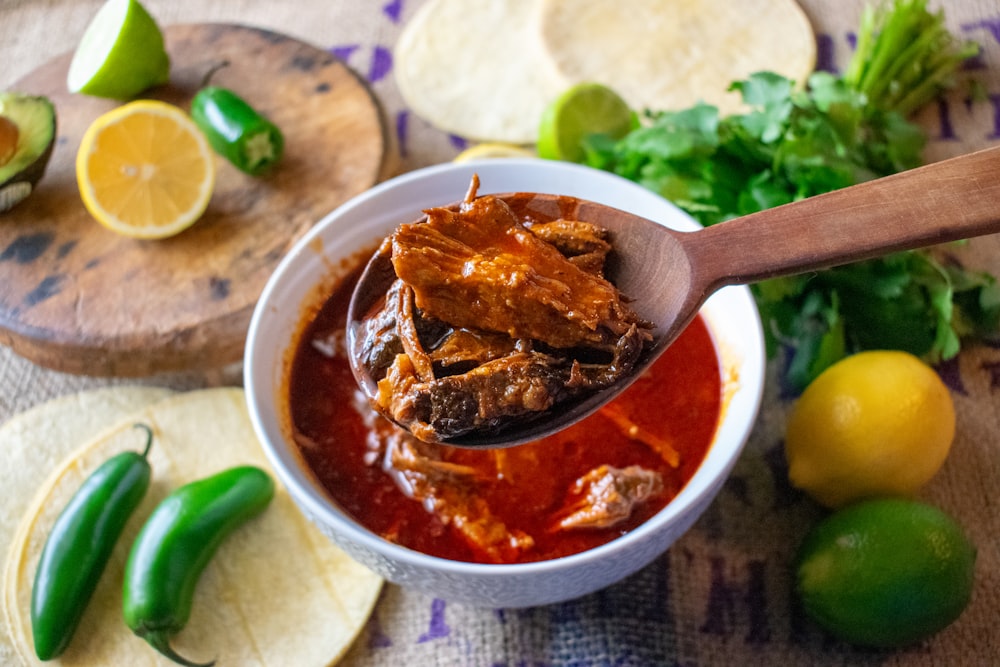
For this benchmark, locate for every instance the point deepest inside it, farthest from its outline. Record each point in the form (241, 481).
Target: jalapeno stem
(149, 438)
(236, 131)
(160, 640)
(176, 544)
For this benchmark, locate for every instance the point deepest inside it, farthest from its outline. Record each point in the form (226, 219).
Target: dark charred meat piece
(463, 349)
(583, 243)
(490, 321)
(517, 385)
(379, 341)
(487, 396)
(607, 496)
(626, 352)
(394, 329)
(406, 327)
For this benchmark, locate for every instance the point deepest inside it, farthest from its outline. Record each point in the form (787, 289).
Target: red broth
(527, 487)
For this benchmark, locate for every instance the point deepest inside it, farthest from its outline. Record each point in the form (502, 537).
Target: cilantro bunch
(793, 143)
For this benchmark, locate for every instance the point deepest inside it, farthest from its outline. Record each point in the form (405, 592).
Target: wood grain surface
(78, 298)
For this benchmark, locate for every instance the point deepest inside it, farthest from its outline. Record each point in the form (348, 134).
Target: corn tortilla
(34, 442)
(477, 69)
(277, 592)
(487, 70)
(671, 54)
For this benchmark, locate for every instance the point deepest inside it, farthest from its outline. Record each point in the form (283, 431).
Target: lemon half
(145, 170)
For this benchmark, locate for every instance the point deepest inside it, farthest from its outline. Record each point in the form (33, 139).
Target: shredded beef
(492, 321)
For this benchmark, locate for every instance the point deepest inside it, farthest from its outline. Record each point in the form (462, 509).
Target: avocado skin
(35, 117)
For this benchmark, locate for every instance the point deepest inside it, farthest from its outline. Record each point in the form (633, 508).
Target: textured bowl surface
(358, 225)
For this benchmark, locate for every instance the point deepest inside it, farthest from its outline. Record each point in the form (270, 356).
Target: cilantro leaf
(793, 143)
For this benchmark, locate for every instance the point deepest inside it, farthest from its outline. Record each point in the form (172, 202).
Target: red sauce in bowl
(525, 490)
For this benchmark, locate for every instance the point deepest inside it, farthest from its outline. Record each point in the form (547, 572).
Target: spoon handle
(944, 201)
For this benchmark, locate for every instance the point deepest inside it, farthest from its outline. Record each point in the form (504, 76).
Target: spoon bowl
(668, 275)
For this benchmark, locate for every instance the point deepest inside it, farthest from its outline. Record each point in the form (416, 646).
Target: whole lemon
(885, 572)
(877, 423)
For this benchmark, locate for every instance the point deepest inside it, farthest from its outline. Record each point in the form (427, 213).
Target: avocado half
(35, 119)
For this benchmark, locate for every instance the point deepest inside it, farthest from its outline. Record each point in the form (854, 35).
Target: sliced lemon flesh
(492, 149)
(145, 170)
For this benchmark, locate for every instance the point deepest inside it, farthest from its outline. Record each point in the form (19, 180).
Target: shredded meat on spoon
(491, 321)
(481, 268)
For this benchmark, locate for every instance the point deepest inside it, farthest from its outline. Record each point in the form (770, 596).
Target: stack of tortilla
(277, 592)
(486, 70)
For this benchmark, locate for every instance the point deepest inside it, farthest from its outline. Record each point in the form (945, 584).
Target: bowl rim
(699, 489)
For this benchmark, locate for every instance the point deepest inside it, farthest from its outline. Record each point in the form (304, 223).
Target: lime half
(121, 53)
(583, 110)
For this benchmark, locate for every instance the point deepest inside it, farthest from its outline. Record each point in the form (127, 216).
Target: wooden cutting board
(81, 299)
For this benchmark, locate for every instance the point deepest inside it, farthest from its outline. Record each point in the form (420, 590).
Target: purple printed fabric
(722, 594)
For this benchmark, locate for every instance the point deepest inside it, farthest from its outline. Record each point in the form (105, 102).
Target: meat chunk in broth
(446, 490)
(607, 496)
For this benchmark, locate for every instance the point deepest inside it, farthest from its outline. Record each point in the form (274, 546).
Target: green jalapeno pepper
(176, 543)
(80, 544)
(236, 131)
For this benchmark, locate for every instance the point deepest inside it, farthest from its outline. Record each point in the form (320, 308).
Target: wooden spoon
(669, 274)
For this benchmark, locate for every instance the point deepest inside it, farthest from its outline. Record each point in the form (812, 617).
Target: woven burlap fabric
(720, 595)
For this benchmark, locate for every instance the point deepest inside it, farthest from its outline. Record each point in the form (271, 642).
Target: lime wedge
(582, 110)
(121, 53)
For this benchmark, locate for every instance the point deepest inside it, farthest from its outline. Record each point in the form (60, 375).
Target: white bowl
(730, 314)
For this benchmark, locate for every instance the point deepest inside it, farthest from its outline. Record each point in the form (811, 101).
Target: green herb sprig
(793, 143)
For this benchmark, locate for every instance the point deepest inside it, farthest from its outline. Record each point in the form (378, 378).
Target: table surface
(721, 594)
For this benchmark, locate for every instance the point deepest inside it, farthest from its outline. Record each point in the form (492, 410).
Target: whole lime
(885, 572)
